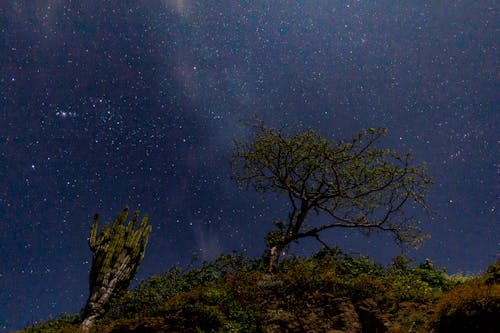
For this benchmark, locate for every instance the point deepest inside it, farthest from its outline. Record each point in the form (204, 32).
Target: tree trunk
(274, 256)
(87, 324)
(296, 220)
(98, 299)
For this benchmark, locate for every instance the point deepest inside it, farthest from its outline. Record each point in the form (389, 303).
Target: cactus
(118, 251)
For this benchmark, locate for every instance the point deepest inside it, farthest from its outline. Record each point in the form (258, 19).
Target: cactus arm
(93, 233)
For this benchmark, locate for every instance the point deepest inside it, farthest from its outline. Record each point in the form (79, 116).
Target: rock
(370, 316)
(329, 314)
(347, 320)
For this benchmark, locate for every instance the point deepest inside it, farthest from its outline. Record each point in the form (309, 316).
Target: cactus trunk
(118, 251)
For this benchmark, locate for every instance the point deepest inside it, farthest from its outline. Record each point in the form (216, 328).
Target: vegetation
(471, 307)
(329, 291)
(118, 251)
(354, 183)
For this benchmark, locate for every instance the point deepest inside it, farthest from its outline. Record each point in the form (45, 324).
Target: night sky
(105, 104)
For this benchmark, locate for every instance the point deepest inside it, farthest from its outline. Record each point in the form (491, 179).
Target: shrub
(351, 267)
(433, 276)
(422, 283)
(234, 294)
(150, 296)
(472, 307)
(64, 324)
(492, 274)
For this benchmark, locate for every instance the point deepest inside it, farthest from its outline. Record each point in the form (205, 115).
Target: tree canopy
(355, 183)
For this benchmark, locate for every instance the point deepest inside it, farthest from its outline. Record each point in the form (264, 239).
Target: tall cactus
(118, 251)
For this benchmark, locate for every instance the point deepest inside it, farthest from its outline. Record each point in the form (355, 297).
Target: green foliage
(492, 274)
(351, 267)
(433, 276)
(472, 307)
(235, 294)
(275, 237)
(150, 296)
(354, 183)
(64, 324)
(422, 283)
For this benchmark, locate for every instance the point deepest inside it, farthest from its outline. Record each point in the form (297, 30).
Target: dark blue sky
(111, 103)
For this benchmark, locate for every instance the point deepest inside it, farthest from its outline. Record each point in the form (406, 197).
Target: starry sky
(105, 104)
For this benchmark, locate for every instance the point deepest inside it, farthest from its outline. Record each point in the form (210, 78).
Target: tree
(118, 252)
(354, 183)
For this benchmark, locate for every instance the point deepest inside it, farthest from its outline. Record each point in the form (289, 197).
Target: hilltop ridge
(328, 292)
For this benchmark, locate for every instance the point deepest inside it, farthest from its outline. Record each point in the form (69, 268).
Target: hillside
(329, 292)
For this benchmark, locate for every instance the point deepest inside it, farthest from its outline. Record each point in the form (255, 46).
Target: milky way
(120, 103)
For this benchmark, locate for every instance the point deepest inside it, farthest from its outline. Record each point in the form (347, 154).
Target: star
(113, 105)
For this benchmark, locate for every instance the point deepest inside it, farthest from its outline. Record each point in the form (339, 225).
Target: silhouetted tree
(354, 183)
(118, 251)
